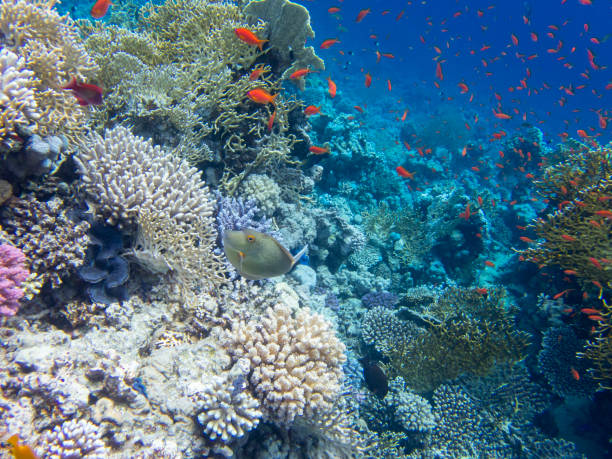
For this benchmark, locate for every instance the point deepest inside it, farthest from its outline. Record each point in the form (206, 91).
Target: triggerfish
(257, 255)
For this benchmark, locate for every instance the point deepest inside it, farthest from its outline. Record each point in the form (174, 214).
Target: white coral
(296, 361)
(77, 438)
(126, 175)
(226, 410)
(17, 104)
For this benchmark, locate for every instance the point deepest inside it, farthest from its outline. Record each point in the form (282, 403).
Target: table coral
(13, 273)
(296, 360)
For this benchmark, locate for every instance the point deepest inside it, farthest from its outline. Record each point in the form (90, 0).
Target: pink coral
(13, 273)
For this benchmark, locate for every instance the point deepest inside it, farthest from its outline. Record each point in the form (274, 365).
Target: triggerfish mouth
(257, 255)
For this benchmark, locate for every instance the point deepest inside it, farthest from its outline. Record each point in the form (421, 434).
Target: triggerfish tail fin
(299, 255)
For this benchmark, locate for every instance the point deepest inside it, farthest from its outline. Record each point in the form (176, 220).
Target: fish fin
(298, 255)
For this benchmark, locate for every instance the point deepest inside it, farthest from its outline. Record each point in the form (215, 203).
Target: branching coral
(577, 235)
(126, 175)
(53, 243)
(12, 274)
(52, 52)
(296, 361)
(599, 349)
(479, 334)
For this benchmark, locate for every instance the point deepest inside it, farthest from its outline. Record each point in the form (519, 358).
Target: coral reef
(288, 29)
(49, 51)
(126, 175)
(296, 361)
(74, 438)
(13, 273)
(574, 235)
(560, 365)
(263, 190)
(55, 243)
(599, 349)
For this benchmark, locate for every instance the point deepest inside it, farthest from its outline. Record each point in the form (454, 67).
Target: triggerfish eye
(250, 238)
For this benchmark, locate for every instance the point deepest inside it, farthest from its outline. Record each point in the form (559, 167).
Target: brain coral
(296, 361)
(126, 175)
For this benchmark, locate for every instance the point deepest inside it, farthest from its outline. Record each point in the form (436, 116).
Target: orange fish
(575, 374)
(20, 451)
(404, 173)
(464, 88)
(318, 150)
(362, 14)
(327, 43)
(300, 73)
(590, 311)
(582, 133)
(331, 87)
(570, 272)
(489, 263)
(568, 238)
(368, 80)
(595, 262)
(249, 37)
(604, 213)
(481, 291)
(333, 9)
(466, 213)
(271, 120)
(439, 74)
(526, 239)
(312, 110)
(261, 96)
(501, 116)
(100, 8)
(257, 72)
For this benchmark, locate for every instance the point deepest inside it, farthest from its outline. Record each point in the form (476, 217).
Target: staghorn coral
(381, 328)
(12, 274)
(296, 360)
(126, 175)
(288, 30)
(53, 242)
(576, 235)
(74, 438)
(52, 50)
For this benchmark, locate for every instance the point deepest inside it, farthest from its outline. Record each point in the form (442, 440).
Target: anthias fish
(257, 255)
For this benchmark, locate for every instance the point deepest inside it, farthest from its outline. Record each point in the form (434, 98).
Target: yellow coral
(576, 236)
(51, 48)
(599, 349)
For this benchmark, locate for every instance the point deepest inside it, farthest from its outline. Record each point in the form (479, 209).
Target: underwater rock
(39, 156)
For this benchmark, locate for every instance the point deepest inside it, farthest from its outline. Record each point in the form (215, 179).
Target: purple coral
(13, 273)
(237, 214)
(379, 299)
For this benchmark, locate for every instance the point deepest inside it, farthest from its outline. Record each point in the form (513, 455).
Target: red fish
(362, 14)
(404, 173)
(439, 74)
(327, 43)
(249, 37)
(466, 214)
(489, 263)
(257, 72)
(604, 213)
(368, 80)
(333, 9)
(331, 87)
(261, 96)
(100, 8)
(300, 73)
(526, 239)
(575, 374)
(464, 88)
(318, 150)
(85, 93)
(501, 116)
(567, 237)
(271, 120)
(312, 110)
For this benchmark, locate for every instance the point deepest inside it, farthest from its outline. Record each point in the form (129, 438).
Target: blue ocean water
(419, 189)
